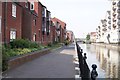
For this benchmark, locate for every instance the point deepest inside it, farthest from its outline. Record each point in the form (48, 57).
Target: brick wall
(9, 22)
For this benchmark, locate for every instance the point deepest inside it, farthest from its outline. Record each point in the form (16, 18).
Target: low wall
(19, 60)
(109, 46)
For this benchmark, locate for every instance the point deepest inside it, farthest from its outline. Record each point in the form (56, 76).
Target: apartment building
(30, 20)
(46, 24)
(11, 21)
(93, 37)
(101, 29)
(60, 26)
(70, 35)
(115, 22)
(108, 27)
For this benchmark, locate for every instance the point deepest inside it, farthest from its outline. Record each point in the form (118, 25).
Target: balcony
(114, 9)
(109, 27)
(114, 26)
(104, 29)
(114, 20)
(109, 17)
(113, 3)
(114, 14)
(109, 22)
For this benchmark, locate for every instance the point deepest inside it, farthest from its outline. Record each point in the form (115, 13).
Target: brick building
(32, 21)
(11, 21)
(70, 35)
(60, 32)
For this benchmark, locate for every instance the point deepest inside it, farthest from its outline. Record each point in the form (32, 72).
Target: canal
(107, 61)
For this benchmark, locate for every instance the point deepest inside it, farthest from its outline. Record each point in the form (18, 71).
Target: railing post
(94, 73)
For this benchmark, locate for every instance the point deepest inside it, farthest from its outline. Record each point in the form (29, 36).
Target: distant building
(93, 37)
(115, 22)
(70, 35)
(60, 32)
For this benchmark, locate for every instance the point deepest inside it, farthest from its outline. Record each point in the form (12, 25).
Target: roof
(93, 33)
(63, 24)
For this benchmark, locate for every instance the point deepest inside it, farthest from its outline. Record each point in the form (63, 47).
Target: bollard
(85, 57)
(81, 51)
(94, 73)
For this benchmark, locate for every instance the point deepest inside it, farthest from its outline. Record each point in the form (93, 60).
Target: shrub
(66, 42)
(34, 45)
(49, 45)
(4, 59)
(20, 43)
(23, 51)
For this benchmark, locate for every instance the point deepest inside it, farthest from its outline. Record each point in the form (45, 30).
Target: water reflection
(109, 60)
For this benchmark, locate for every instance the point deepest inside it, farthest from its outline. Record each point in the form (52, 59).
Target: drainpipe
(5, 13)
(5, 21)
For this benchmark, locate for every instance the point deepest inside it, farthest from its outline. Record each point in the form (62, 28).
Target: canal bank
(109, 46)
(107, 60)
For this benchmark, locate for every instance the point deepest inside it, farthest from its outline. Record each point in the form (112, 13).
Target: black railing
(84, 69)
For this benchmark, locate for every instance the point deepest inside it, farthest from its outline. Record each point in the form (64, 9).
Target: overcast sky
(81, 16)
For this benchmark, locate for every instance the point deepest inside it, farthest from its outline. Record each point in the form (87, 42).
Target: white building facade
(115, 22)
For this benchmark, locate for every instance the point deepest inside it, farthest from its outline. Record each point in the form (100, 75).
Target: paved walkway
(57, 64)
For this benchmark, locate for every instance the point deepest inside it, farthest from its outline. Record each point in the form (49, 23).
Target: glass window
(32, 6)
(12, 34)
(13, 10)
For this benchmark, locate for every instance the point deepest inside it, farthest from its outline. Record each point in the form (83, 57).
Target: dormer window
(32, 6)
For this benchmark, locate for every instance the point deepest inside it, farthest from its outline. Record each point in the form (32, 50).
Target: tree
(88, 37)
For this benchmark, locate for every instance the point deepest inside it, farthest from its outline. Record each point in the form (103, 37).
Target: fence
(84, 69)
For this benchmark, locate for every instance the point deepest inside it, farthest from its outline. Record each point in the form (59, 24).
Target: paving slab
(57, 64)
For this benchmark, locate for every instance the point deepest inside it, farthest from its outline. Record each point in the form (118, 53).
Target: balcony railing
(109, 17)
(114, 20)
(113, 3)
(109, 22)
(114, 9)
(114, 26)
(109, 27)
(114, 14)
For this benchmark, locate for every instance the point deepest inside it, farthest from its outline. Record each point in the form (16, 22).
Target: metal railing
(84, 69)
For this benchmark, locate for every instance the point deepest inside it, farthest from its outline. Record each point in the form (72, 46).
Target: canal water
(107, 61)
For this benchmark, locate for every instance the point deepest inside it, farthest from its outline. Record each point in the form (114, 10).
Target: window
(34, 21)
(34, 37)
(26, 4)
(12, 34)
(32, 6)
(13, 10)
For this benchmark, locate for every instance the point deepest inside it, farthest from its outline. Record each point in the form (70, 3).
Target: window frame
(14, 34)
(14, 10)
(32, 4)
